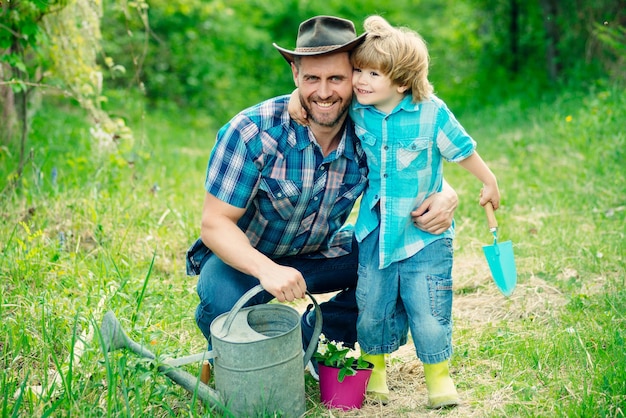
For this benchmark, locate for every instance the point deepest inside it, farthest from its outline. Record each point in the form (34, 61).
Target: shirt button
(386, 147)
(316, 198)
(385, 175)
(279, 195)
(322, 168)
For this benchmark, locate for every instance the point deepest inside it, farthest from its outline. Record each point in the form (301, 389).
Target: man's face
(325, 86)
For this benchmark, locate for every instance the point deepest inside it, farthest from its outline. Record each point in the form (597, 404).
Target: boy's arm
(490, 193)
(296, 111)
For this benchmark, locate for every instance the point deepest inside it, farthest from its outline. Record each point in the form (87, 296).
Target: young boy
(405, 274)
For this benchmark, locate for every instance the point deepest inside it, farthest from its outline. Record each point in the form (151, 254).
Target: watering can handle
(491, 217)
(237, 307)
(258, 289)
(317, 331)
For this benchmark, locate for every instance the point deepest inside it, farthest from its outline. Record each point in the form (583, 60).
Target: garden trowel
(500, 257)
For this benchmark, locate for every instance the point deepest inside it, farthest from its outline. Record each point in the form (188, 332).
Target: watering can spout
(114, 338)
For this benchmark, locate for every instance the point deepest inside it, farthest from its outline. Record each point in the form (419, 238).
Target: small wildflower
(335, 354)
(568, 118)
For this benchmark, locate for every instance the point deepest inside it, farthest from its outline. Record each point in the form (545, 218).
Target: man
(279, 193)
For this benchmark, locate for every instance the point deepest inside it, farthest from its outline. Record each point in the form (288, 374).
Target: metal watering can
(259, 365)
(257, 355)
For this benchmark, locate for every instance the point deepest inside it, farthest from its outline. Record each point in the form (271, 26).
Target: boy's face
(325, 86)
(372, 87)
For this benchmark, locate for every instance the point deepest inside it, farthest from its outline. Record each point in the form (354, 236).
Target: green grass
(107, 233)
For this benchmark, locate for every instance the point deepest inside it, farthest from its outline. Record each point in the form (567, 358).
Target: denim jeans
(220, 286)
(415, 294)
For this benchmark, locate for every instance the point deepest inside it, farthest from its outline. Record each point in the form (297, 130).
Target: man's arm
(435, 214)
(221, 234)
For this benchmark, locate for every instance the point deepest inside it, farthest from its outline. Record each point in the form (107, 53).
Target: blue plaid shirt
(296, 200)
(405, 151)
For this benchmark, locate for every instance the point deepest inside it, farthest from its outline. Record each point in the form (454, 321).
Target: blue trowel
(500, 257)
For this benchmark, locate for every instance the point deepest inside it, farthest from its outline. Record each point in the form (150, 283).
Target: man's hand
(435, 215)
(284, 283)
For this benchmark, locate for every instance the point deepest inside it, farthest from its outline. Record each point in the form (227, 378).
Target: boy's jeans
(220, 286)
(415, 294)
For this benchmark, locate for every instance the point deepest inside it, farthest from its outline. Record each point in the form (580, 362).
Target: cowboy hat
(323, 35)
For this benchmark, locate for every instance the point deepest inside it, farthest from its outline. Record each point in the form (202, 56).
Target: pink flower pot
(345, 395)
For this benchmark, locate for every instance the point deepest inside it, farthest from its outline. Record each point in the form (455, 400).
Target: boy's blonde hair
(399, 53)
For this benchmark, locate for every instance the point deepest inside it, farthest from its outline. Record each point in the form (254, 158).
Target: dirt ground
(477, 303)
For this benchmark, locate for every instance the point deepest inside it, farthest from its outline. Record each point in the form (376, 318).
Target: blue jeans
(415, 294)
(220, 287)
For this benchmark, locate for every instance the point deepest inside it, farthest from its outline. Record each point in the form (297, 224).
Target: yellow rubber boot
(441, 390)
(377, 386)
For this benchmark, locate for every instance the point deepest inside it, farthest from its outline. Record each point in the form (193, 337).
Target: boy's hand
(490, 193)
(296, 111)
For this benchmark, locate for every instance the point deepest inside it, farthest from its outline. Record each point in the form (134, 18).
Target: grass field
(84, 232)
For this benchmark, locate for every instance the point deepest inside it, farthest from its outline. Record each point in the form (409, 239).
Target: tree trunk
(549, 10)
(514, 34)
(7, 103)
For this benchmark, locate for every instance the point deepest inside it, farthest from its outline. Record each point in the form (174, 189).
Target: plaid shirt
(405, 151)
(297, 200)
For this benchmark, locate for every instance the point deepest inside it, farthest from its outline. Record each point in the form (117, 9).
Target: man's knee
(203, 322)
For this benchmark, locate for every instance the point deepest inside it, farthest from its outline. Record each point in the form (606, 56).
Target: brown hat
(323, 35)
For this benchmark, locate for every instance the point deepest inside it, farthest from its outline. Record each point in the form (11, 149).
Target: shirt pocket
(413, 153)
(277, 199)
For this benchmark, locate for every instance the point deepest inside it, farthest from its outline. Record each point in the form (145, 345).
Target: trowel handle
(491, 217)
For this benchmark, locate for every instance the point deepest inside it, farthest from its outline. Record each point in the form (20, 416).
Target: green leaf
(342, 375)
(363, 364)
